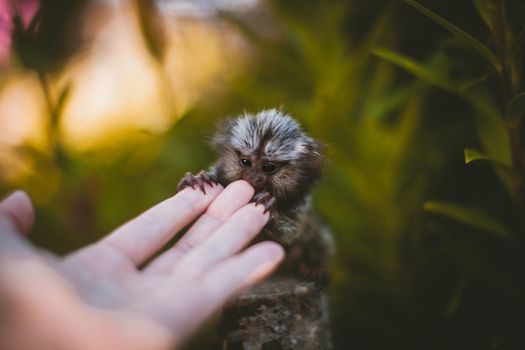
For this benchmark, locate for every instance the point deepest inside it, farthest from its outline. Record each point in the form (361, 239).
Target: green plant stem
(47, 93)
(513, 129)
(52, 133)
(500, 40)
(508, 91)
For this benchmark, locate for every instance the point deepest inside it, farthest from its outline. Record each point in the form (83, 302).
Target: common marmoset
(271, 152)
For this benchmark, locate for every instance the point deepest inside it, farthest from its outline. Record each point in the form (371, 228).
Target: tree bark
(278, 314)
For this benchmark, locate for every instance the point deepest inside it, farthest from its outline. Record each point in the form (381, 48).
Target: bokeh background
(104, 105)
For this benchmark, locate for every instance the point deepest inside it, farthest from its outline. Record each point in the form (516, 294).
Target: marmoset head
(271, 152)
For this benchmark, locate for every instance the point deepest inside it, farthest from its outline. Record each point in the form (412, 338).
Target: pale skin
(99, 298)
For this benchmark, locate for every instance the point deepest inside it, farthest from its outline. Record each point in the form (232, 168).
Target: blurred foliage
(421, 106)
(51, 37)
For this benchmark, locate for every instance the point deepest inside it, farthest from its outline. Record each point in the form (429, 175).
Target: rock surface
(278, 314)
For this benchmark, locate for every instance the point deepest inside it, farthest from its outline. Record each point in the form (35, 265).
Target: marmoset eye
(245, 162)
(269, 168)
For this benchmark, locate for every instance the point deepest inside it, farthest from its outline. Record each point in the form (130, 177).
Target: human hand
(97, 297)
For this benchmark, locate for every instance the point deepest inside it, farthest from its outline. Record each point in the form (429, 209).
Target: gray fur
(276, 137)
(279, 135)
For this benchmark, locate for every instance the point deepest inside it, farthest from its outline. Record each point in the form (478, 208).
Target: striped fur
(270, 135)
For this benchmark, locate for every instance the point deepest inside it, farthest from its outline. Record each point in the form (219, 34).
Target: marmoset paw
(265, 199)
(202, 178)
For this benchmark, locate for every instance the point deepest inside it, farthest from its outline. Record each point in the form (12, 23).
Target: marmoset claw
(208, 177)
(265, 199)
(200, 180)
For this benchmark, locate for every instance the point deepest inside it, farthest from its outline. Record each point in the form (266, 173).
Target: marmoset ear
(314, 157)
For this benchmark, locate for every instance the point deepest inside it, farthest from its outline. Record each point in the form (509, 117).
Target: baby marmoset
(271, 152)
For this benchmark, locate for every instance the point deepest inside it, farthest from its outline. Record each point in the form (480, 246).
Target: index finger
(143, 236)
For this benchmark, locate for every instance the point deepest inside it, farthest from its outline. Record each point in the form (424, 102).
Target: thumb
(18, 209)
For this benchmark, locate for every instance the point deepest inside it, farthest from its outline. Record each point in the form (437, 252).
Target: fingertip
(259, 212)
(242, 186)
(273, 251)
(266, 256)
(26, 207)
(251, 216)
(233, 198)
(215, 189)
(19, 195)
(18, 208)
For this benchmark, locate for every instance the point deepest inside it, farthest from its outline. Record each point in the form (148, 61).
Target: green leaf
(469, 216)
(494, 138)
(419, 70)
(496, 145)
(518, 41)
(151, 28)
(516, 106)
(473, 154)
(459, 33)
(455, 301)
(60, 104)
(489, 122)
(473, 83)
(275, 52)
(484, 12)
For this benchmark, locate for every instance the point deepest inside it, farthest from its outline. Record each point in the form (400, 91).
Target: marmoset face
(270, 151)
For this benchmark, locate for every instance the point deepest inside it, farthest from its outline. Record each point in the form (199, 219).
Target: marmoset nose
(257, 180)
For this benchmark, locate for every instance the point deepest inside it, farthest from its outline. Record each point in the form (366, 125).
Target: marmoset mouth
(257, 184)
